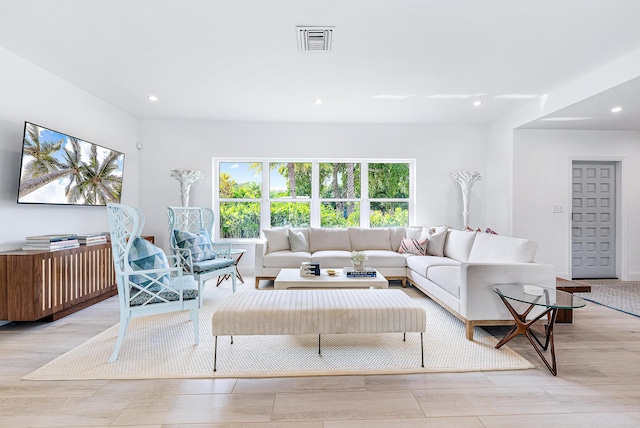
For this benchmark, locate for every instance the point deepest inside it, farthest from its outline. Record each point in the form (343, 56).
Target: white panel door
(593, 214)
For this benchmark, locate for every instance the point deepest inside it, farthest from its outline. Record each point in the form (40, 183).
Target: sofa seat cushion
(332, 258)
(489, 248)
(385, 259)
(447, 278)
(321, 239)
(458, 245)
(363, 238)
(286, 259)
(421, 264)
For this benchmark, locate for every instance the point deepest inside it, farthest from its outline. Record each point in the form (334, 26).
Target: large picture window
(254, 194)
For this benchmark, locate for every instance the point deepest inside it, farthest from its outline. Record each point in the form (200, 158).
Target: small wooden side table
(239, 252)
(566, 315)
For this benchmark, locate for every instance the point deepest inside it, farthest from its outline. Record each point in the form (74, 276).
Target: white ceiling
(238, 59)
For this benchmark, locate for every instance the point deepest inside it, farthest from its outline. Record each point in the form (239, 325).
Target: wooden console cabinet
(36, 285)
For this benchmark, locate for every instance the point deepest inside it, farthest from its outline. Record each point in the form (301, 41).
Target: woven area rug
(161, 346)
(623, 297)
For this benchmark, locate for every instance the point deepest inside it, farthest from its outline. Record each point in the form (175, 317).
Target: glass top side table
(548, 298)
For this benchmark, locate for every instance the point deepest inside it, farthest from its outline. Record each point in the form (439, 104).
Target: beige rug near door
(161, 346)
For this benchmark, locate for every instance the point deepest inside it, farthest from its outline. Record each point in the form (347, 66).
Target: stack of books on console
(367, 272)
(52, 242)
(92, 238)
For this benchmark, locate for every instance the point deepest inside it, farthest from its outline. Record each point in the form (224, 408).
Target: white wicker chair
(195, 220)
(142, 290)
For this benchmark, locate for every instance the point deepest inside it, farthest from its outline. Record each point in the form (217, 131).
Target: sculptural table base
(523, 327)
(224, 277)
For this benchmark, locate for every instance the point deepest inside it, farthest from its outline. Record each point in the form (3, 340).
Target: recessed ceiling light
(477, 103)
(152, 98)
(318, 101)
(616, 110)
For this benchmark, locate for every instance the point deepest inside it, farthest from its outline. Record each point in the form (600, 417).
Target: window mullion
(315, 194)
(364, 194)
(265, 206)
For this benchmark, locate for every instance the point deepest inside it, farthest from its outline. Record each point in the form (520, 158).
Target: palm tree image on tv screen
(60, 169)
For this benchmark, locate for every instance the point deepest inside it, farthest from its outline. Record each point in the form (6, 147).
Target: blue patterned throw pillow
(199, 244)
(143, 256)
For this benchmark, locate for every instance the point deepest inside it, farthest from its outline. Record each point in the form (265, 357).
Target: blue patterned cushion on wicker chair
(144, 256)
(208, 265)
(199, 244)
(141, 299)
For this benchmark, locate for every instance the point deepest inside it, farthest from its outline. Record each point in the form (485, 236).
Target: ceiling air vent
(315, 39)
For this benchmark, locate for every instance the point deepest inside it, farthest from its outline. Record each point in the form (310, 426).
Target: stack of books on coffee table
(368, 272)
(52, 242)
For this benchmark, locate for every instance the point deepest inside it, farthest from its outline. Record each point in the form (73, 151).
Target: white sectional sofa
(458, 272)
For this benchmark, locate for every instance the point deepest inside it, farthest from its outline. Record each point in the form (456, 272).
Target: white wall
(501, 132)
(542, 178)
(28, 93)
(439, 151)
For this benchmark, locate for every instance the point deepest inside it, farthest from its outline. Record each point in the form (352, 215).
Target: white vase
(358, 266)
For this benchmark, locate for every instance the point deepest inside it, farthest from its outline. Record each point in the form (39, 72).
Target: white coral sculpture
(186, 177)
(466, 179)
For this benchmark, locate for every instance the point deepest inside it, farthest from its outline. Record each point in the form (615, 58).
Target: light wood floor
(598, 385)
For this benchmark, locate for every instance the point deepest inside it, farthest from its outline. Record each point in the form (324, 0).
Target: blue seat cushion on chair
(199, 244)
(189, 292)
(209, 265)
(142, 298)
(144, 256)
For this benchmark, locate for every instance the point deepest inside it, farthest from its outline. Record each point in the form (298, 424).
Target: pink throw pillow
(413, 246)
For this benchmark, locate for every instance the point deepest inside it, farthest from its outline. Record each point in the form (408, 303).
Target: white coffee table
(290, 278)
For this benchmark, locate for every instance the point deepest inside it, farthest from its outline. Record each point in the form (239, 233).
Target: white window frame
(315, 200)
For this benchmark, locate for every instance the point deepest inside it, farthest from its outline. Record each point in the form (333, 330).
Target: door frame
(621, 212)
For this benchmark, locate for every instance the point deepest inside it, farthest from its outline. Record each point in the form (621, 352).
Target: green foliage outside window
(386, 214)
(297, 177)
(339, 214)
(295, 214)
(388, 180)
(240, 219)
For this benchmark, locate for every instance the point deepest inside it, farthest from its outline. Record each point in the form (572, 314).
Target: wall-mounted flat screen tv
(60, 169)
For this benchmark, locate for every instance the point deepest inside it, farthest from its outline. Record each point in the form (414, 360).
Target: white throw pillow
(414, 232)
(277, 239)
(297, 241)
(437, 237)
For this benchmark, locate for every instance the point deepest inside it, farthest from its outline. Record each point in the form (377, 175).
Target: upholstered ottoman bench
(336, 311)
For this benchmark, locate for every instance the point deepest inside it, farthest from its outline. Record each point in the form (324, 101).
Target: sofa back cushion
(397, 234)
(489, 248)
(363, 238)
(458, 245)
(329, 239)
